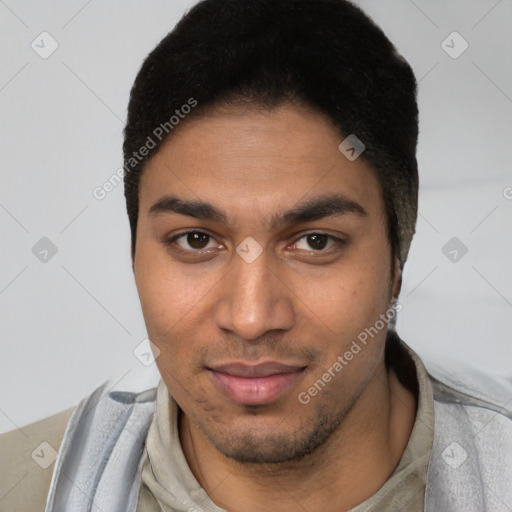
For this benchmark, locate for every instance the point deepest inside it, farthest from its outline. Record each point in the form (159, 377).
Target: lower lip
(255, 390)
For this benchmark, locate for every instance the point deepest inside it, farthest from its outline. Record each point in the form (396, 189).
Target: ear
(397, 279)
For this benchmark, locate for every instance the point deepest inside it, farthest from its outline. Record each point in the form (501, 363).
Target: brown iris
(317, 241)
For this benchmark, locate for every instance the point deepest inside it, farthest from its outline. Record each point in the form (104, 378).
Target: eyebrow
(314, 209)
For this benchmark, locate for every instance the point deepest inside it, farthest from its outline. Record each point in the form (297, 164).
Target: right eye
(191, 242)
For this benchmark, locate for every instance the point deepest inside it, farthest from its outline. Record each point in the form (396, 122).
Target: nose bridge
(253, 300)
(252, 282)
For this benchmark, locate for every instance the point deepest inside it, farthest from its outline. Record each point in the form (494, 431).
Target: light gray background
(70, 323)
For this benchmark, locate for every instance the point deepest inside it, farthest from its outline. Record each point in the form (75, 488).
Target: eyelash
(170, 242)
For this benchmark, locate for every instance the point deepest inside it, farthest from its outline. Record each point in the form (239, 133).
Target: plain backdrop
(72, 321)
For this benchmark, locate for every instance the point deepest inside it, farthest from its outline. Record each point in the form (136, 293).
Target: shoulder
(472, 447)
(27, 457)
(468, 386)
(481, 400)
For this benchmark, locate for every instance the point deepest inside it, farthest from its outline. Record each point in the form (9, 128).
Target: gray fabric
(480, 440)
(99, 459)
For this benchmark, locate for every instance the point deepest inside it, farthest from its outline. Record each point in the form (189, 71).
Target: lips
(255, 384)
(260, 370)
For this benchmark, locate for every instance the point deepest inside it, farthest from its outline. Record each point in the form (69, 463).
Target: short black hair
(325, 54)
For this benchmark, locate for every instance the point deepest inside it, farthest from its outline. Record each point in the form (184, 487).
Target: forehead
(256, 161)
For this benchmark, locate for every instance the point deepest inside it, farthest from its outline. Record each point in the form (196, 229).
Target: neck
(348, 468)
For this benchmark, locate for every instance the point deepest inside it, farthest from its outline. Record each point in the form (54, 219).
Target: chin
(254, 443)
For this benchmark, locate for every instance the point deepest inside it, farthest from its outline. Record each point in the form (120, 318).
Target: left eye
(318, 241)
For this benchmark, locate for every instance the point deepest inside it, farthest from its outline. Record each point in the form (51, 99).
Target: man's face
(242, 334)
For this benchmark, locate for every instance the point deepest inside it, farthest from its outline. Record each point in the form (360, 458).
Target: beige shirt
(26, 463)
(169, 485)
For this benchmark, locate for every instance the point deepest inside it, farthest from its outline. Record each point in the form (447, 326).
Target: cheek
(175, 306)
(345, 307)
(166, 293)
(346, 299)
(167, 306)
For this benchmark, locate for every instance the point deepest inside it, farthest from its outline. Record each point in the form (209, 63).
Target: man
(271, 186)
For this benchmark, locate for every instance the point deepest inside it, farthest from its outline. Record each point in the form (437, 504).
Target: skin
(297, 302)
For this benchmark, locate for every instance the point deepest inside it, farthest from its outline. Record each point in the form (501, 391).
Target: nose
(254, 299)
